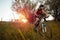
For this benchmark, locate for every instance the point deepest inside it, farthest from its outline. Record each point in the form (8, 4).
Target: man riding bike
(41, 13)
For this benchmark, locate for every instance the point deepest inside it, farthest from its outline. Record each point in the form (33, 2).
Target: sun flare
(22, 18)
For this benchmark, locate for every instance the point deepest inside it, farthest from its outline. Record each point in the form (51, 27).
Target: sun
(22, 18)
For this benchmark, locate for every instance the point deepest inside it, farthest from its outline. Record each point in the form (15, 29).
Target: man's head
(41, 6)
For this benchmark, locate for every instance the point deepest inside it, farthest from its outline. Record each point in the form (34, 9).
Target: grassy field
(9, 32)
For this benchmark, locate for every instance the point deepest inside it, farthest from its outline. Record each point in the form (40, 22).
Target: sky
(5, 10)
(6, 14)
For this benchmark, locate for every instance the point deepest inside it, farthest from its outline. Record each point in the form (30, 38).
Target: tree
(54, 5)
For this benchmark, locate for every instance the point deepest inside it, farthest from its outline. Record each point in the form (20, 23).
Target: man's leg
(45, 29)
(36, 24)
(42, 27)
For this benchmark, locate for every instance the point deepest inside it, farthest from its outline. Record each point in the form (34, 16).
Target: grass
(9, 32)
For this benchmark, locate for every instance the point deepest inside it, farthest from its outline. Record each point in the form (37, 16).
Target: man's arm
(36, 12)
(45, 12)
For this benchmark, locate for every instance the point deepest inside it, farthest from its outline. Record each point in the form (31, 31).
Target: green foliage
(54, 4)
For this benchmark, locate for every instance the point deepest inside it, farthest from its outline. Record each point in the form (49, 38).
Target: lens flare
(22, 18)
